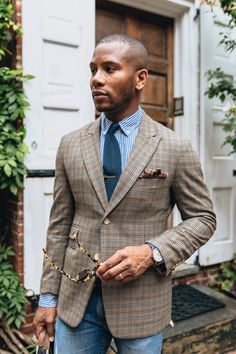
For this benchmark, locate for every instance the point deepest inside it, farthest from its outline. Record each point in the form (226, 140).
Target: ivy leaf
(19, 156)
(23, 148)
(12, 163)
(6, 282)
(13, 189)
(7, 170)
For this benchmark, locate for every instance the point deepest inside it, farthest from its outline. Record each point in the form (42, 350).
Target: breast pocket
(151, 183)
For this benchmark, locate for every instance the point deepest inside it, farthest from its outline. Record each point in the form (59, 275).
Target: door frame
(186, 68)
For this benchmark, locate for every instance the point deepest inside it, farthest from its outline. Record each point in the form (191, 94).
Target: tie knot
(113, 128)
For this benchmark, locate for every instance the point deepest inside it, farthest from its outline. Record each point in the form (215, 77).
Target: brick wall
(18, 18)
(11, 207)
(206, 276)
(14, 214)
(14, 205)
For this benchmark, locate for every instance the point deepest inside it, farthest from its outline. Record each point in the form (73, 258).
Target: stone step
(213, 332)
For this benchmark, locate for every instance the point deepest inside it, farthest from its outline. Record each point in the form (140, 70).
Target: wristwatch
(159, 263)
(156, 256)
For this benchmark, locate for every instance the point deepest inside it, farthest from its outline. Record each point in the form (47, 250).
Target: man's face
(113, 81)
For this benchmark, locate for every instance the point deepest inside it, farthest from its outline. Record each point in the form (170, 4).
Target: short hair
(138, 53)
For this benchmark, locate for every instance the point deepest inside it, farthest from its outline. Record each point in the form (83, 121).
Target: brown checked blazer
(137, 212)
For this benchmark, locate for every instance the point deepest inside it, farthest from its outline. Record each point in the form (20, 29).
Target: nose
(97, 79)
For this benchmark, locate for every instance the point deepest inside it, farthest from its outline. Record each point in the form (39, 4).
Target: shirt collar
(127, 125)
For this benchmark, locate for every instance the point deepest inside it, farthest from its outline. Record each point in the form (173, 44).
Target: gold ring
(121, 276)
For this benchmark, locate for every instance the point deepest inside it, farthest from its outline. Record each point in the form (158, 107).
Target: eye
(93, 71)
(110, 69)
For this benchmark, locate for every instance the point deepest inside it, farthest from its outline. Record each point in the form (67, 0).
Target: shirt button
(106, 221)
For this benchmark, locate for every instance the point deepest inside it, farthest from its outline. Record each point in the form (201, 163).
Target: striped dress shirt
(125, 136)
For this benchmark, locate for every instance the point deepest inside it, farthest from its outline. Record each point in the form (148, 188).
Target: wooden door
(156, 33)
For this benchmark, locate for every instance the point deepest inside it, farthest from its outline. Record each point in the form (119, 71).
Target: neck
(119, 116)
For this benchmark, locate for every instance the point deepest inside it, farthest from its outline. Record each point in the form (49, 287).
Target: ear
(141, 78)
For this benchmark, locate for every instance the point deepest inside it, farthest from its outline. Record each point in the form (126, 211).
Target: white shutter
(218, 164)
(58, 42)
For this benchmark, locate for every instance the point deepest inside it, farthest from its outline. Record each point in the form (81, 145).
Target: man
(116, 183)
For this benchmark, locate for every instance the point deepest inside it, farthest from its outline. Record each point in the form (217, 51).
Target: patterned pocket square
(153, 173)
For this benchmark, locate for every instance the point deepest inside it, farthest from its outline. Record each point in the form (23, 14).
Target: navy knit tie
(111, 160)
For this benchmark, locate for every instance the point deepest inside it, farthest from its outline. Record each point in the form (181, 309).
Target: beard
(116, 106)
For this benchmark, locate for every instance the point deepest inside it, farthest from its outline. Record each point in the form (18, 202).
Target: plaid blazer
(137, 212)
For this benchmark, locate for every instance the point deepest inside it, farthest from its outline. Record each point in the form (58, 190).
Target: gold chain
(85, 275)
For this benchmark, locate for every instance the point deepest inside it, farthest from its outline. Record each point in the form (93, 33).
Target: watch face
(157, 256)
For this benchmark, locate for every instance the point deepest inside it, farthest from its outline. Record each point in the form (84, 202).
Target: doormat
(188, 302)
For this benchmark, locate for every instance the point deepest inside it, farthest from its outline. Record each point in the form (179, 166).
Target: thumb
(50, 331)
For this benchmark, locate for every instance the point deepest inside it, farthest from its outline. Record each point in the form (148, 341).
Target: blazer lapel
(146, 143)
(91, 155)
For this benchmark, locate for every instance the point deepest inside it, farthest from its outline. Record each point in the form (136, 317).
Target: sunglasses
(85, 274)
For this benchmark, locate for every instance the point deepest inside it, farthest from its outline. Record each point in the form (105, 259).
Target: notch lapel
(145, 144)
(91, 156)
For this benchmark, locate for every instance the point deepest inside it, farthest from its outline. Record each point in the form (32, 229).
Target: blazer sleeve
(193, 201)
(61, 216)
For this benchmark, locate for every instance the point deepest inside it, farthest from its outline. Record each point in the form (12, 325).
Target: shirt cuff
(48, 300)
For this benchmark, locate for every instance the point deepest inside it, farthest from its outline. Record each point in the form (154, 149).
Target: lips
(96, 93)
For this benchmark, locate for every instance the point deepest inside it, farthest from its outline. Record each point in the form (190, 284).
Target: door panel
(156, 33)
(219, 165)
(58, 43)
(37, 204)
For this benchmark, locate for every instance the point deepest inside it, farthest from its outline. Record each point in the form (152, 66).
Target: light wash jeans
(92, 336)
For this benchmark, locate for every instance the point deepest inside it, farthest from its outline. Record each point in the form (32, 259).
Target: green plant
(224, 88)
(227, 280)
(7, 26)
(221, 86)
(12, 306)
(13, 104)
(12, 296)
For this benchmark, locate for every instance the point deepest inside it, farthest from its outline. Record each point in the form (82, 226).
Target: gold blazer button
(106, 221)
(73, 236)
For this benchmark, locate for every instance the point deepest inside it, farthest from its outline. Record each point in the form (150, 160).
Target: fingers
(43, 340)
(111, 262)
(122, 276)
(126, 264)
(37, 330)
(113, 266)
(50, 331)
(114, 273)
(44, 321)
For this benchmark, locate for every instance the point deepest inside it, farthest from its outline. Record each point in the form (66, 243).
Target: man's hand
(44, 322)
(126, 264)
